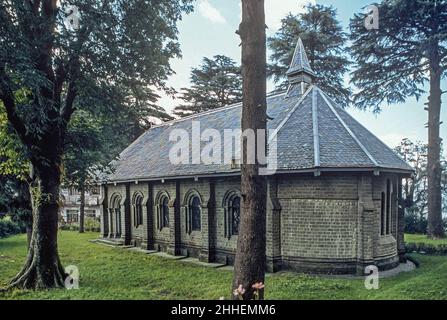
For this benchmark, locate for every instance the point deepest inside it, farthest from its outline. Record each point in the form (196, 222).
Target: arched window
(138, 210)
(232, 212)
(195, 214)
(164, 212)
(235, 213)
(115, 215)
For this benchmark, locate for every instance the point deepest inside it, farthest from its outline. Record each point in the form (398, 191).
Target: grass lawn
(113, 273)
(422, 238)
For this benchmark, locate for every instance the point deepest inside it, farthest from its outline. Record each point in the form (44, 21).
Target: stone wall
(329, 223)
(318, 220)
(386, 245)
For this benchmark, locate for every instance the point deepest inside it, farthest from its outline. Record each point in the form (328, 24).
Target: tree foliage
(391, 61)
(119, 51)
(13, 160)
(14, 172)
(415, 189)
(217, 82)
(394, 62)
(325, 44)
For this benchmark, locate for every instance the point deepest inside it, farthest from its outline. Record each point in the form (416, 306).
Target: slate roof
(312, 133)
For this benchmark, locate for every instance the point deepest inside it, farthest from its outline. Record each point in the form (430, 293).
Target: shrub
(8, 227)
(427, 248)
(90, 225)
(415, 224)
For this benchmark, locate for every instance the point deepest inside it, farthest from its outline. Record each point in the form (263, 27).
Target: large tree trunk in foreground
(26, 205)
(42, 268)
(435, 226)
(249, 267)
(82, 209)
(29, 234)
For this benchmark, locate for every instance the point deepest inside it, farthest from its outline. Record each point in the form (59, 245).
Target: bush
(427, 248)
(415, 224)
(90, 225)
(8, 227)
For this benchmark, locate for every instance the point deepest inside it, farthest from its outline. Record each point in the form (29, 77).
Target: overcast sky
(210, 30)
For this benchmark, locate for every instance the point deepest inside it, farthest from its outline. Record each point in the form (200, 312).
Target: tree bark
(26, 206)
(435, 226)
(29, 233)
(82, 209)
(249, 267)
(43, 269)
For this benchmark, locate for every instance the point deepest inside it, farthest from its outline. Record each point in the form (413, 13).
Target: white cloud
(209, 12)
(276, 10)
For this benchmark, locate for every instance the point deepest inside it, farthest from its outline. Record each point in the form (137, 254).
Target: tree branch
(7, 96)
(72, 91)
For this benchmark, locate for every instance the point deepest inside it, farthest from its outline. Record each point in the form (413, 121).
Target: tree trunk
(42, 268)
(249, 267)
(82, 209)
(26, 205)
(435, 226)
(29, 233)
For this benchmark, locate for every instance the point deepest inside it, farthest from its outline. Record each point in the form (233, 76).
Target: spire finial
(299, 63)
(300, 74)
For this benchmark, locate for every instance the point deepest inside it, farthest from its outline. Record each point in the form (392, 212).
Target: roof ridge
(350, 132)
(211, 111)
(289, 114)
(315, 126)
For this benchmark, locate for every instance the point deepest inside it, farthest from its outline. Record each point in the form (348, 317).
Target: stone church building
(333, 205)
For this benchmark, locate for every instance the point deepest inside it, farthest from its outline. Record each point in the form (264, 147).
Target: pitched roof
(312, 134)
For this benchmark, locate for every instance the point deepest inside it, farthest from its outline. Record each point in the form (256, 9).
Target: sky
(210, 30)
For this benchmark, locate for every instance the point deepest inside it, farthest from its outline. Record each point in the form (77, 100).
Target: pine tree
(216, 83)
(394, 62)
(249, 265)
(325, 44)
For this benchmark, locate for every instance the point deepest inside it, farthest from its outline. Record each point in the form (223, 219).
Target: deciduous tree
(58, 58)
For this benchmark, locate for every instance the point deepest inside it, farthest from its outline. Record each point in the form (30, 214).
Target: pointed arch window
(235, 213)
(232, 209)
(164, 212)
(195, 214)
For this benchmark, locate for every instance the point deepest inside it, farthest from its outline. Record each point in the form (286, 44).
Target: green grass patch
(114, 273)
(422, 238)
